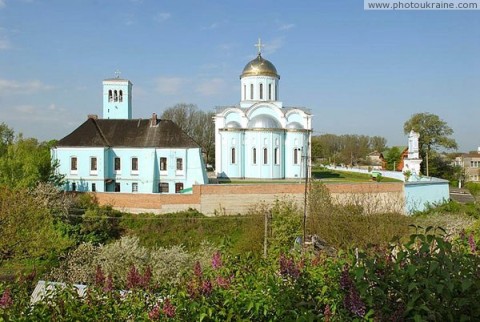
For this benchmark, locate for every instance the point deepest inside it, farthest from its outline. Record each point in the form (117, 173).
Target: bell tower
(117, 98)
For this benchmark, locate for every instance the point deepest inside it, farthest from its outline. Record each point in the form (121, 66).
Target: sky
(360, 72)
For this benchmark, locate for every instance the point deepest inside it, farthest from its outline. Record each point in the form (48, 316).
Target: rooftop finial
(117, 74)
(259, 46)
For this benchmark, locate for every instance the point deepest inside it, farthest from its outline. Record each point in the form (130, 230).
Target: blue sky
(360, 72)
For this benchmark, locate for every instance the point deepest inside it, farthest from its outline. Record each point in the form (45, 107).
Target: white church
(260, 138)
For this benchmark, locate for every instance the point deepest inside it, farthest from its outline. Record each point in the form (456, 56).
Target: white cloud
(273, 45)
(13, 87)
(210, 87)
(286, 26)
(43, 122)
(170, 85)
(162, 16)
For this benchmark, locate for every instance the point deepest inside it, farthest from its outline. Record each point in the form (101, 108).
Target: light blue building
(121, 154)
(260, 138)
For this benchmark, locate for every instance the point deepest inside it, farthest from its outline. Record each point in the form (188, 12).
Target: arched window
(251, 91)
(265, 156)
(261, 91)
(115, 96)
(244, 92)
(276, 96)
(120, 98)
(276, 156)
(110, 96)
(254, 156)
(233, 156)
(270, 91)
(296, 156)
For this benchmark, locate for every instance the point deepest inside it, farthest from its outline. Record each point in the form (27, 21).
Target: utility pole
(265, 237)
(305, 198)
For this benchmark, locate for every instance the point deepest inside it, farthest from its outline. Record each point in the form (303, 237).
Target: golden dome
(259, 67)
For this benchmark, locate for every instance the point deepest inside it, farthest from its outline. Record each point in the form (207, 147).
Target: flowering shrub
(427, 278)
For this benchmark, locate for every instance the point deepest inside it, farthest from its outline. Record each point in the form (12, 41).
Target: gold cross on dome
(259, 46)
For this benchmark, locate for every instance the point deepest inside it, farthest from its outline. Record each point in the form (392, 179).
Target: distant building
(121, 154)
(260, 138)
(470, 163)
(375, 159)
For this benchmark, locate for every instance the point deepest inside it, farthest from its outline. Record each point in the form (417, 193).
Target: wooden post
(265, 237)
(305, 199)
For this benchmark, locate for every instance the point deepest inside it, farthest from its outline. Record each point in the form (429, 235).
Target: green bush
(352, 224)
(426, 279)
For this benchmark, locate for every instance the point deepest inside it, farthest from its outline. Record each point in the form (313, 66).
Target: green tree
(378, 143)
(434, 133)
(392, 158)
(347, 148)
(197, 124)
(26, 162)
(26, 227)
(6, 138)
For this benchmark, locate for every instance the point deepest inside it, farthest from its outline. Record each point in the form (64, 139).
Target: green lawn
(318, 173)
(328, 175)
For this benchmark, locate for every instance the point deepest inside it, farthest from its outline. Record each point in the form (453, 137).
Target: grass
(318, 173)
(327, 175)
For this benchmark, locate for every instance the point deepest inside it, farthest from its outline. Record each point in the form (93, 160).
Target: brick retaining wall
(238, 198)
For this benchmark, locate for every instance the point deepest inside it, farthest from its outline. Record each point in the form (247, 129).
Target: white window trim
(119, 170)
(93, 172)
(133, 172)
(71, 170)
(163, 172)
(180, 172)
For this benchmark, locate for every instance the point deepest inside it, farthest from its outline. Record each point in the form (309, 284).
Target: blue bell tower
(117, 98)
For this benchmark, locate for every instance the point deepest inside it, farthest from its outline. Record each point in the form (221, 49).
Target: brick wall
(231, 199)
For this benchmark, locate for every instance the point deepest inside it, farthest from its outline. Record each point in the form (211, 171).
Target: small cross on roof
(259, 46)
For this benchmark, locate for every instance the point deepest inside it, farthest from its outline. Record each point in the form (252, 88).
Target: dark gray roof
(128, 133)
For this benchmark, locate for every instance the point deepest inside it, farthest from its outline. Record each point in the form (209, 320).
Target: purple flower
(168, 309)
(147, 277)
(154, 314)
(6, 300)
(345, 280)
(216, 260)
(197, 270)
(353, 303)
(108, 286)
(206, 287)
(327, 313)
(288, 268)
(99, 276)
(473, 245)
(351, 300)
(134, 279)
(192, 289)
(222, 282)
